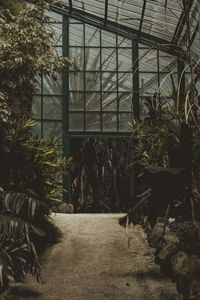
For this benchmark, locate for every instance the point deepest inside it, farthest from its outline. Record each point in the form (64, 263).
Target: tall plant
(30, 167)
(98, 176)
(30, 186)
(26, 49)
(166, 148)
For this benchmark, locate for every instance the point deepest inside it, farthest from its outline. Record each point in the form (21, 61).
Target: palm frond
(16, 227)
(21, 203)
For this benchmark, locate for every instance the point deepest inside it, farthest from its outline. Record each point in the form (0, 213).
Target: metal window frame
(67, 134)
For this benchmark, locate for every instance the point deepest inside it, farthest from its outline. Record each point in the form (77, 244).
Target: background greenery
(99, 178)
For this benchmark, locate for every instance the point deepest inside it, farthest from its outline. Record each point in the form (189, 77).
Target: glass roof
(163, 20)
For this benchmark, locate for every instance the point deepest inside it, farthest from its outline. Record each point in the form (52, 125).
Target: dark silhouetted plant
(30, 186)
(30, 168)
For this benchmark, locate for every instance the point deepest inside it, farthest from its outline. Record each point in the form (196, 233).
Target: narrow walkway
(96, 260)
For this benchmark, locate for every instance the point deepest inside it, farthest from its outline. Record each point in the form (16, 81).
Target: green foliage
(30, 168)
(98, 175)
(26, 49)
(13, 5)
(29, 178)
(152, 142)
(165, 159)
(171, 180)
(16, 256)
(40, 160)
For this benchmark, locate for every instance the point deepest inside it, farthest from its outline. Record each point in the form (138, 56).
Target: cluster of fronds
(31, 168)
(165, 159)
(99, 176)
(30, 186)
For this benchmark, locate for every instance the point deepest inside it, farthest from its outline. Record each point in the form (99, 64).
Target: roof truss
(162, 11)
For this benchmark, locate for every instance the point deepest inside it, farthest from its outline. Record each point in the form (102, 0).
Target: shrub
(29, 177)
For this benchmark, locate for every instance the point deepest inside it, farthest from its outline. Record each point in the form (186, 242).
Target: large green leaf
(15, 227)
(21, 202)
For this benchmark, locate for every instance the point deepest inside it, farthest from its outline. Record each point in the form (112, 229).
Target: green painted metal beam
(98, 135)
(65, 114)
(135, 63)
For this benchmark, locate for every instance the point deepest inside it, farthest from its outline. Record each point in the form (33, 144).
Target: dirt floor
(96, 260)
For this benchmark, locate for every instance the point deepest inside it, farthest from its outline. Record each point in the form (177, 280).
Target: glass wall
(47, 104)
(158, 74)
(100, 94)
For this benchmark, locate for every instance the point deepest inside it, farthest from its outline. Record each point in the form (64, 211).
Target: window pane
(167, 62)
(52, 85)
(148, 84)
(57, 30)
(125, 81)
(76, 122)
(125, 102)
(148, 60)
(108, 59)
(93, 122)
(58, 51)
(109, 122)
(54, 17)
(37, 129)
(92, 59)
(38, 84)
(52, 107)
(124, 118)
(109, 101)
(92, 81)
(167, 83)
(51, 129)
(76, 101)
(124, 42)
(76, 81)
(93, 101)
(109, 81)
(36, 107)
(92, 36)
(76, 34)
(77, 56)
(108, 39)
(125, 59)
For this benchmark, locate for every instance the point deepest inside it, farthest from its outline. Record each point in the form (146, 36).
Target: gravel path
(96, 260)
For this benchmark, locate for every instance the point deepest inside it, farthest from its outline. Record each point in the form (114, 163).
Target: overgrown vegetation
(26, 49)
(165, 160)
(29, 167)
(164, 148)
(99, 178)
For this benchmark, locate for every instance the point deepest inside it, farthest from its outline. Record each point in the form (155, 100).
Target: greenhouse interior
(100, 116)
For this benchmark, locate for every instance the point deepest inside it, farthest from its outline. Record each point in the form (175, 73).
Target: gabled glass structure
(126, 51)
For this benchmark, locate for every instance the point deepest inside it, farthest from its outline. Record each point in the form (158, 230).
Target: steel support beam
(182, 20)
(65, 105)
(135, 70)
